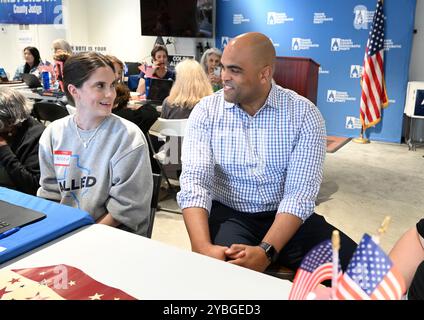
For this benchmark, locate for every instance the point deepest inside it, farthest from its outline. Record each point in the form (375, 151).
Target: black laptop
(159, 90)
(12, 216)
(31, 80)
(4, 79)
(3, 75)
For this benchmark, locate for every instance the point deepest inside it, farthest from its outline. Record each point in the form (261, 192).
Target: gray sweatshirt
(111, 174)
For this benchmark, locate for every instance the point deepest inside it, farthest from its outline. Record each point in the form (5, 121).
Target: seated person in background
(119, 68)
(94, 160)
(408, 256)
(143, 117)
(191, 85)
(160, 68)
(61, 44)
(211, 63)
(59, 57)
(253, 157)
(32, 62)
(19, 135)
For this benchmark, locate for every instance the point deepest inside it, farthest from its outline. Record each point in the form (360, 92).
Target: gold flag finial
(384, 226)
(335, 240)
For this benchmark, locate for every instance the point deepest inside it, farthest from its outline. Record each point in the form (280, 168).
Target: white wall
(11, 49)
(117, 25)
(416, 69)
(111, 23)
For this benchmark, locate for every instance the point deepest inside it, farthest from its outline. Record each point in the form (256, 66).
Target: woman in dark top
(408, 256)
(32, 62)
(159, 69)
(19, 136)
(190, 86)
(144, 116)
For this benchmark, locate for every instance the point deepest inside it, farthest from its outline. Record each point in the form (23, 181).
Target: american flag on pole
(370, 275)
(374, 95)
(316, 267)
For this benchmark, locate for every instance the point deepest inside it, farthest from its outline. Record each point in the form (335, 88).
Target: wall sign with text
(31, 12)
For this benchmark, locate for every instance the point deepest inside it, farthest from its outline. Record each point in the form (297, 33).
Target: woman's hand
(214, 79)
(3, 141)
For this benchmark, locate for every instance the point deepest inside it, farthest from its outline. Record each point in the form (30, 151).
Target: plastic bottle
(46, 80)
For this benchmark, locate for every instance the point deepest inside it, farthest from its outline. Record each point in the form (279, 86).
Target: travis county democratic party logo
(303, 44)
(334, 96)
(339, 44)
(238, 18)
(353, 123)
(276, 44)
(362, 17)
(321, 17)
(224, 42)
(356, 71)
(278, 18)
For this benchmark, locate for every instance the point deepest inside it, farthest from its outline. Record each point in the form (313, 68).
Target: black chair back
(132, 68)
(157, 179)
(49, 111)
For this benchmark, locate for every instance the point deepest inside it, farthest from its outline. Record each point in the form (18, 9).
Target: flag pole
(361, 138)
(335, 241)
(382, 229)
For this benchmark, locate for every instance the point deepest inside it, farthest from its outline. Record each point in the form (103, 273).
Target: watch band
(270, 251)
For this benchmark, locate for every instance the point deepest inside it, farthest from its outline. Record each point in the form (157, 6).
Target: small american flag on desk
(316, 267)
(370, 275)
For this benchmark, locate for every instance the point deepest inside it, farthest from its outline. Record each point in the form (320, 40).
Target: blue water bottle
(46, 80)
(147, 86)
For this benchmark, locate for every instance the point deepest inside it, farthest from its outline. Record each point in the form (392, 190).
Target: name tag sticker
(62, 158)
(2, 249)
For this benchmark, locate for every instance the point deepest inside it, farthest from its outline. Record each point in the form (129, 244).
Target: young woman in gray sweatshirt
(94, 160)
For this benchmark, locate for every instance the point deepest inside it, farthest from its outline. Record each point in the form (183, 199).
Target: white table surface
(148, 269)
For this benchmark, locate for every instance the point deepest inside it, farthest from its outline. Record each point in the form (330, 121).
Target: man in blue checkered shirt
(252, 160)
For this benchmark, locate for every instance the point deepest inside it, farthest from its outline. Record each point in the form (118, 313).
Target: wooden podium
(298, 74)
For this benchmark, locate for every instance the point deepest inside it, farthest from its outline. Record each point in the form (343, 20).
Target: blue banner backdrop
(334, 34)
(31, 12)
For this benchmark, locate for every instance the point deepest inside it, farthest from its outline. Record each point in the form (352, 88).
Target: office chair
(157, 179)
(132, 75)
(279, 271)
(49, 111)
(169, 157)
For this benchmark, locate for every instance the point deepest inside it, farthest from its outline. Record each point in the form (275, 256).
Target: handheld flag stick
(335, 241)
(382, 229)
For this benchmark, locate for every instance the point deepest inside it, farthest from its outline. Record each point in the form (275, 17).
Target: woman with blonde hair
(191, 85)
(61, 44)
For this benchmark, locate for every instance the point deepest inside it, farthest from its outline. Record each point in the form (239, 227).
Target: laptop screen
(12, 216)
(159, 89)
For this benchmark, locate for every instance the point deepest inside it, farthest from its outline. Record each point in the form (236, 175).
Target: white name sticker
(62, 158)
(2, 249)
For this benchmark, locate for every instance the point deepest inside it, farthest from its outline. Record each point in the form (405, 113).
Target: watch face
(269, 251)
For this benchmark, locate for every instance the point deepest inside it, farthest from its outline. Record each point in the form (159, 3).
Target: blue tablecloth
(60, 220)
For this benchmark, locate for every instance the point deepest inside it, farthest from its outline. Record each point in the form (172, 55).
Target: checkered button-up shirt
(270, 161)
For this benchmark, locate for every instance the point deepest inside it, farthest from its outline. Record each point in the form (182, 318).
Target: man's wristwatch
(270, 251)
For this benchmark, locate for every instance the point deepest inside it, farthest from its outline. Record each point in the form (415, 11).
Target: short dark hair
(116, 60)
(79, 67)
(158, 48)
(122, 96)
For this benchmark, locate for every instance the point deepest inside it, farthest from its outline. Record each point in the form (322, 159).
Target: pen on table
(9, 232)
